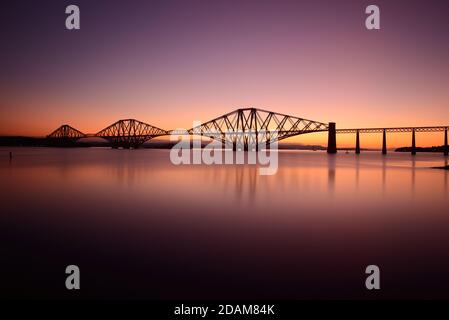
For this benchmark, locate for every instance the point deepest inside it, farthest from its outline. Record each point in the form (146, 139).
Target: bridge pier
(384, 141)
(332, 139)
(357, 142)
(446, 150)
(413, 142)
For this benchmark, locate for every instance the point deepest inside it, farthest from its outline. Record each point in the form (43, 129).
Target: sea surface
(139, 226)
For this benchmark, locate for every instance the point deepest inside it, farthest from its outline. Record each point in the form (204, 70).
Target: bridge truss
(249, 128)
(129, 133)
(66, 132)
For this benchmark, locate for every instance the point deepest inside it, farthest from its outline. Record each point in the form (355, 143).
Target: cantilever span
(130, 133)
(250, 128)
(66, 132)
(65, 136)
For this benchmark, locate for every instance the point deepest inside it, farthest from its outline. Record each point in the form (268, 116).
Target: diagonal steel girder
(66, 132)
(130, 133)
(256, 126)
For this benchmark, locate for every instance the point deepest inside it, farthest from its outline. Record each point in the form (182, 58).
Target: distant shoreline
(21, 141)
(421, 149)
(443, 167)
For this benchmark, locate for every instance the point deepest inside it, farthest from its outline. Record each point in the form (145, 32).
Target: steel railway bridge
(243, 129)
(384, 131)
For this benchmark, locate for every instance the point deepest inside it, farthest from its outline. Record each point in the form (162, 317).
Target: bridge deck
(396, 129)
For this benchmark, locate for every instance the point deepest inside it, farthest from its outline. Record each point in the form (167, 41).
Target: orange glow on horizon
(95, 119)
(29, 125)
(312, 62)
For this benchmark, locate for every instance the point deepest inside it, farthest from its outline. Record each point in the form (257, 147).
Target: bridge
(250, 128)
(242, 129)
(66, 132)
(130, 133)
(65, 136)
(384, 131)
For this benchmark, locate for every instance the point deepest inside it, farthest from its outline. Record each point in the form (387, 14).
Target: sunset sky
(168, 63)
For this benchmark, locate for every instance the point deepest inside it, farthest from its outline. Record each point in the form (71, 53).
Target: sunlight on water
(318, 210)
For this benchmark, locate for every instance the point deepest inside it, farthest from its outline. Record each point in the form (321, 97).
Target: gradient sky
(168, 63)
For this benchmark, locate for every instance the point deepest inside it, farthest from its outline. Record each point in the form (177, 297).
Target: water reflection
(445, 175)
(384, 175)
(413, 160)
(331, 159)
(185, 231)
(357, 171)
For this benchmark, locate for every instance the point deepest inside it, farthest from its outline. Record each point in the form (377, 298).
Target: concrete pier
(332, 139)
(446, 150)
(413, 143)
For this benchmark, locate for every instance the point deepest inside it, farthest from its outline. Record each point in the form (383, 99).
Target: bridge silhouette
(384, 131)
(242, 129)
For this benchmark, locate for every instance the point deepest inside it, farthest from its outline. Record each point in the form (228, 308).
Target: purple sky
(171, 62)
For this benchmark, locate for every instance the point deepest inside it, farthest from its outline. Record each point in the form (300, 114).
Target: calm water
(140, 227)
